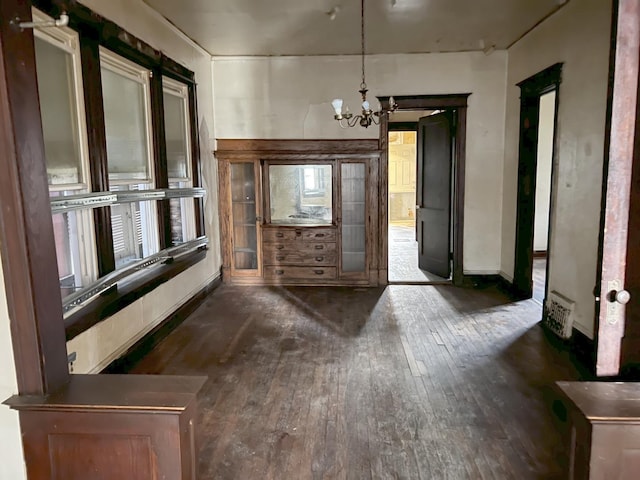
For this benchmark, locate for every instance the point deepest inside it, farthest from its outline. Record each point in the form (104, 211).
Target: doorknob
(622, 296)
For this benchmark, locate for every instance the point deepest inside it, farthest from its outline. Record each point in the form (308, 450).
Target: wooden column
(26, 231)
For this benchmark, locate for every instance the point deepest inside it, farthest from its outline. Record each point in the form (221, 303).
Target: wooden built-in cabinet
(139, 427)
(299, 212)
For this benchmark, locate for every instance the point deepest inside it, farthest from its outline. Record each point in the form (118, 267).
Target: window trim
(96, 34)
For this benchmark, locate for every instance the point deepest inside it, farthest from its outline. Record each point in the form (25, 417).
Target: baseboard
(580, 348)
(480, 281)
(142, 347)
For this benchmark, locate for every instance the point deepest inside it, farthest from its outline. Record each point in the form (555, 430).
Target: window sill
(125, 293)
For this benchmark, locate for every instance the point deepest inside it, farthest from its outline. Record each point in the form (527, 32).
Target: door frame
(621, 140)
(457, 102)
(531, 89)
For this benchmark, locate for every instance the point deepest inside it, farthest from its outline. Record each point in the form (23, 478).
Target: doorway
(538, 111)
(544, 167)
(406, 236)
(421, 218)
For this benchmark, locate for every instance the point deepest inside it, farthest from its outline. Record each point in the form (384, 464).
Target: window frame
(98, 38)
(68, 41)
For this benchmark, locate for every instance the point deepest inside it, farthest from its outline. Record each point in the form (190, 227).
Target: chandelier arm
(354, 120)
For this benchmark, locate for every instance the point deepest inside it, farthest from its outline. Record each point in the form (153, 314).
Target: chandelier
(367, 116)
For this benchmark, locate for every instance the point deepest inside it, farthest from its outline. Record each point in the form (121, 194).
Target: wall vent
(558, 314)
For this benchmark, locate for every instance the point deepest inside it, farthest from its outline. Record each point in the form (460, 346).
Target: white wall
(577, 35)
(543, 171)
(103, 343)
(12, 460)
(290, 97)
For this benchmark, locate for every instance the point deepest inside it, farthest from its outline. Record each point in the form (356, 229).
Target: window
(127, 120)
(65, 142)
(177, 134)
(127, 197)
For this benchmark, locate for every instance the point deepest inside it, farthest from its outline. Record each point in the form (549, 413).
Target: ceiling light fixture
(368, 116)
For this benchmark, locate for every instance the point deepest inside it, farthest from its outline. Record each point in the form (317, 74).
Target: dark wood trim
(229, 146)
(97, 143)
(542, 82)
(540, 254)
(125, 293)
(531, 89)
(403, 126)
(459, 169)
(160, 156)
(196, 160)
(177, 72)
(28, 246)
(579, 347)
(427, 102)
(142, 347)
(458, 104)
(383, 200)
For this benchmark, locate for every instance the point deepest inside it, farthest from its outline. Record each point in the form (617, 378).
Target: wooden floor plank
(407, 382)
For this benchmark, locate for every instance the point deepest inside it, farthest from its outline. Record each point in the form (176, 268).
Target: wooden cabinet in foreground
(299, 212)
(112, 427)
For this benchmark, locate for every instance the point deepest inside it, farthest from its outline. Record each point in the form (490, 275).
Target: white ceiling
(305, 27)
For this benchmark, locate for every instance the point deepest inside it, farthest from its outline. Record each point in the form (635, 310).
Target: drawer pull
(279, 272)
(280, 235)
(279, 247)
(280, 257)
(319, 259)
(318, 272)
(298, 233)
(319, 235)
(319, 247)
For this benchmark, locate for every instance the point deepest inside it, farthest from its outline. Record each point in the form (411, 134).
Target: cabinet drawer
(285, 273)
(319, 235)
(307, 248)
(302, 234)
(299, 258)
(278, 234)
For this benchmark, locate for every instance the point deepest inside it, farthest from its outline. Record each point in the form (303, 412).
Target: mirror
(300, 194)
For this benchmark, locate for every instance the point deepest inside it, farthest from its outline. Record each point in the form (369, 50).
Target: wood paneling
(606, 420)
(227, 146)
(103, 457)
(112, 427)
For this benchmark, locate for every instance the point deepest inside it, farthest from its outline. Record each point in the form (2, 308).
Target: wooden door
(619, 200)
(433, 195)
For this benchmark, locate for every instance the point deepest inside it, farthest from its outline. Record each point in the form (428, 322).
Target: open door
(619, 200)
(433, 195)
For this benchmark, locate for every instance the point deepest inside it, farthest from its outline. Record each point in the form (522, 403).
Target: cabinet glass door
(243, 216)
(353, 228)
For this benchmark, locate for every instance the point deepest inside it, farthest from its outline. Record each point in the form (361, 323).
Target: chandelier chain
(363, 85)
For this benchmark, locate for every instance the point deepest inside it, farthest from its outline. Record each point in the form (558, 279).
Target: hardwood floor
(403, 257)
(539, 279)
(407, 382)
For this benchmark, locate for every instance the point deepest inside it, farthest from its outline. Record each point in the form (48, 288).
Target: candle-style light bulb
(337, 105)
